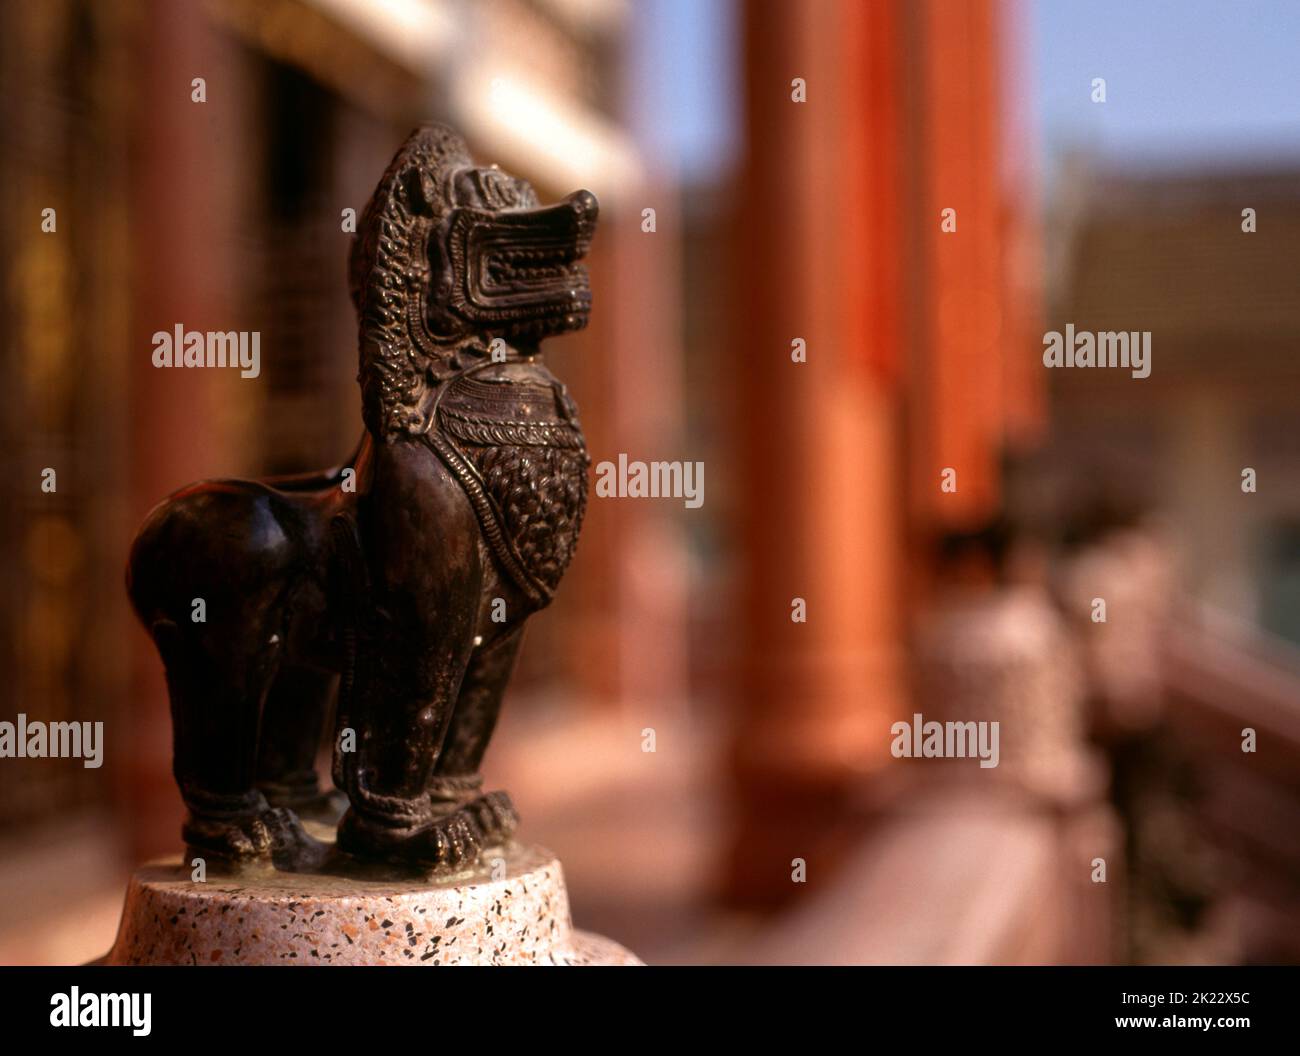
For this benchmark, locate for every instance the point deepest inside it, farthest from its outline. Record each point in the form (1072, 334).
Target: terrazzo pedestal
(511, 909)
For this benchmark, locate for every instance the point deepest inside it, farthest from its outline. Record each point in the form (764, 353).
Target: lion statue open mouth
(404, 578)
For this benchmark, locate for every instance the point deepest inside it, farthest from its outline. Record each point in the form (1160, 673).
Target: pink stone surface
(511, 909)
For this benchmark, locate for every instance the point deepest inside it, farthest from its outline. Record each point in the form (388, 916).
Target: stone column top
(512, 908)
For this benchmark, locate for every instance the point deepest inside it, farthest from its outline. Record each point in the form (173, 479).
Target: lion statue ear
(421, 192)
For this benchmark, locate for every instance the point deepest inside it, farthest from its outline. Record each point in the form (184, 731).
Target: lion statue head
(448, 256)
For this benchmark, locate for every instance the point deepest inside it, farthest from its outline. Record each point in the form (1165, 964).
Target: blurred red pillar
(915, 362)
(181, 428)
(819, 441)
(974, 377)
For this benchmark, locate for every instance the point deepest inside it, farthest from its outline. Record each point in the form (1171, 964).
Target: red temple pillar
(818, 448)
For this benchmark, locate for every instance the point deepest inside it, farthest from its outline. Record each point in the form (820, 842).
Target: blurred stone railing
(1220, 681)
(956, 877)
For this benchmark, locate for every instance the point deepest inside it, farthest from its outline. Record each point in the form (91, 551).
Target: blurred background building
(771, 822)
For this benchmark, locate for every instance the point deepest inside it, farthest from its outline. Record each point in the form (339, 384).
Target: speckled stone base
(350, 917)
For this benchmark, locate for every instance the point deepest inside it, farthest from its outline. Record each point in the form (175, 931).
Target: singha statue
(403, 579)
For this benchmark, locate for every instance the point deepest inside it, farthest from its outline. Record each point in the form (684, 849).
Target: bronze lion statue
(400, 583)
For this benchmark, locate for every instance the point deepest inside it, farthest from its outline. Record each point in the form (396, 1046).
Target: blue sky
(1187, 81)
(1214, 81)
(684, 84)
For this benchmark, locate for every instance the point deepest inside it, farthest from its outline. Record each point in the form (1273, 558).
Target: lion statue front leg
(419, 642)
